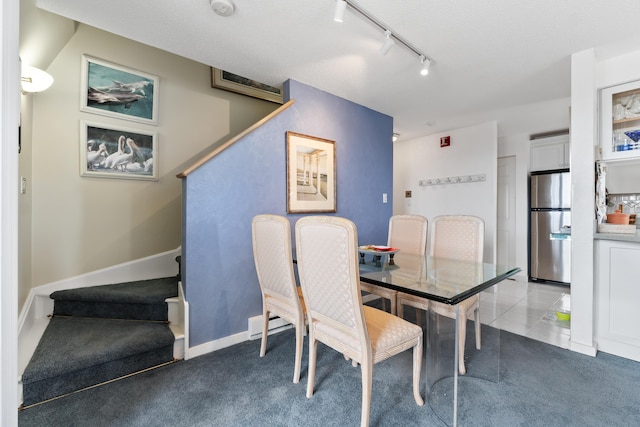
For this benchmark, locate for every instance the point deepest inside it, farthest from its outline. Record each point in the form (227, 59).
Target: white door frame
(9, 122)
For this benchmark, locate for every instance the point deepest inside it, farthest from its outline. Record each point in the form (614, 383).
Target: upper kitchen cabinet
(549, 153)
(620, 121)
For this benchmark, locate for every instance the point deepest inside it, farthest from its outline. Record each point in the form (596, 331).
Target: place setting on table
(377, 251)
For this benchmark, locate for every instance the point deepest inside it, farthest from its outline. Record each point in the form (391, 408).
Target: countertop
(618, 236)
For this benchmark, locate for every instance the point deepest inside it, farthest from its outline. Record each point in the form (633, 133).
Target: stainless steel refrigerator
(550, 212)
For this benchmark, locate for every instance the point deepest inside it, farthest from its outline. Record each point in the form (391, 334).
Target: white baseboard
(214, 345)
(254, 331)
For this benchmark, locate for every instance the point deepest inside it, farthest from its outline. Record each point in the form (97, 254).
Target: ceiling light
(426, 63)
(222, 7)
(341, 5)
(34, 79)
(394, 137)
(388, 43)
(392, 37)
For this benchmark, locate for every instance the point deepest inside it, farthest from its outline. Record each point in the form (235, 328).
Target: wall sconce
(34, 79)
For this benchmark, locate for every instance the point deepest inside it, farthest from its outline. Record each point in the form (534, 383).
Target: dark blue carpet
(540, 385)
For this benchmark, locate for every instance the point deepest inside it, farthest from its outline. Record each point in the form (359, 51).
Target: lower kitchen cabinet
(618, 298)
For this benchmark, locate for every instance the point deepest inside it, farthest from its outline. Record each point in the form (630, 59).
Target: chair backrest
(271, 236)
(327, 256)
(458, 237)
(408, 233)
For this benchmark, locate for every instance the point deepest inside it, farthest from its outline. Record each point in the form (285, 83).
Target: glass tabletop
(444, 280)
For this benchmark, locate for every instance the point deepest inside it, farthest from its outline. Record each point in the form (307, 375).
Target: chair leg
(393, 302)
(299, 342)
(478, 335)
(313, 347)
(367, 379)
(462, 336)
(265, 329)
(417, 365)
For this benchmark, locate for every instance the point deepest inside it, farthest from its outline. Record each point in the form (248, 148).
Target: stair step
(75, 353)
(140, 300)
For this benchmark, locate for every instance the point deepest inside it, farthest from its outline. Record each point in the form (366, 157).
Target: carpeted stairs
(99, 334)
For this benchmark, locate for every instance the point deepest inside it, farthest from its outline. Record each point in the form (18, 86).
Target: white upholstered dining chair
(459, 237)
(409, 234)
(271, 235)
(328, 268)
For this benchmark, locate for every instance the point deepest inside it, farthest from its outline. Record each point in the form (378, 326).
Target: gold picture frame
(311, 174)
(225, 80)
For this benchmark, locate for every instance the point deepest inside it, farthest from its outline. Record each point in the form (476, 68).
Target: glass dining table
(447, 281)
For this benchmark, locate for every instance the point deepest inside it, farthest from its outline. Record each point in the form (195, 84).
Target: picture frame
(311, 174)
(117, 91)
(108, 151)
(225, 80)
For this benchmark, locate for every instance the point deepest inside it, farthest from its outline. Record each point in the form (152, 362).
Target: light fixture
(426, 63)
(392, 36)
(34, 79)
(394, 137)
(388, 43)
(341, 6)
(222, 7)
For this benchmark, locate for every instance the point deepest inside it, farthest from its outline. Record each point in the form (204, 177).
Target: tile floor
(528, 309)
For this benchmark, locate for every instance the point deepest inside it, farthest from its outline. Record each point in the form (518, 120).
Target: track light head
(388, 43)
(394, 137)
(426, 63)
(341, 6)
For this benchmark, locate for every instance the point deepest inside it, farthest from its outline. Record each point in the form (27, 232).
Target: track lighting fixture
(341, 6)
(426, 63)
(388, 43)
(391, 37)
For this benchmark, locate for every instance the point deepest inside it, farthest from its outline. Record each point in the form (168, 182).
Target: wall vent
(276, 324)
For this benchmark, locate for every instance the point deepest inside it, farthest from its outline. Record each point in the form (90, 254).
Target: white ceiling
(488, 55)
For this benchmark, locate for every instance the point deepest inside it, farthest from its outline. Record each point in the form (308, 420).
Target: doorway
(506, 209)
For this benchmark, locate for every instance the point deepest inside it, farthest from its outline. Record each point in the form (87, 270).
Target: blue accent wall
(222, 196)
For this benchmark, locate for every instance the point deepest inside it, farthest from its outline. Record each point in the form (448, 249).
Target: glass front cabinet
(620, 121)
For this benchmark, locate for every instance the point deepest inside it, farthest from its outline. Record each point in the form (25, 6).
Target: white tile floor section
(528, 309)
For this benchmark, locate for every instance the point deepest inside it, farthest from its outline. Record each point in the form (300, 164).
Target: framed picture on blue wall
(113, 90)
(311, 174)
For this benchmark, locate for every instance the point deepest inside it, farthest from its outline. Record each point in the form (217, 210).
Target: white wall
(515, 125)
(82, 224)
(473, 150)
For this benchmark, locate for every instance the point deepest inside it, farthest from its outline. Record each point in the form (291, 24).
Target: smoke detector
(222, 7)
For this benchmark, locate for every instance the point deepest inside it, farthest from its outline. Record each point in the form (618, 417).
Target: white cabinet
(550, 153)
(617, 298)
(620, 121)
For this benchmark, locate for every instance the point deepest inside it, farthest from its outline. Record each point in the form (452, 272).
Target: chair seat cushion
(389, 334)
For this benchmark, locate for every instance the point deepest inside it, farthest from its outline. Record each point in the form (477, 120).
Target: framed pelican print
(115, 152)
(311, 174)
(113, 90)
